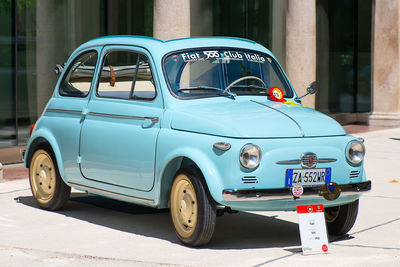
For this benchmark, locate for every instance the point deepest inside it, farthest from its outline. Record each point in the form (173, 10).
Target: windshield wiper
(220, 91)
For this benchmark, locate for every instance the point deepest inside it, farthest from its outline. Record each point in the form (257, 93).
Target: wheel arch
(39, 140)
(205, 166)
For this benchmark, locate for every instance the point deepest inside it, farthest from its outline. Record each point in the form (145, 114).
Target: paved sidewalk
(99, 232)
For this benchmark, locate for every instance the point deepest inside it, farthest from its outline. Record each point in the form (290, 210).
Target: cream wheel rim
(42, 175)
(183, 206)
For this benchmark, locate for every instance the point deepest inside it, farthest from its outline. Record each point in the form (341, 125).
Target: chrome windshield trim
(88, 188)
(153, 119)
(285, 193)
(63, 110)
(297, 161)
(298, 125)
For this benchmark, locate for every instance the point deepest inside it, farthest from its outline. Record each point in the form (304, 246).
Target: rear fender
(43, 135)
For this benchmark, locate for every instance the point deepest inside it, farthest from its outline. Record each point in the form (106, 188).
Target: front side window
(126, 75)
(210, 72)
(79, 77)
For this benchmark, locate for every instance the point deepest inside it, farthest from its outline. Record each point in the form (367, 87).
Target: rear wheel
(47, 187)
(193, 212)
(340, 219)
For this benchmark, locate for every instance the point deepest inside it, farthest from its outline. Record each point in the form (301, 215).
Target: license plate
(308, 177)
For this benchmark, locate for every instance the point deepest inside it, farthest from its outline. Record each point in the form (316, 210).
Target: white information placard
(314, 238)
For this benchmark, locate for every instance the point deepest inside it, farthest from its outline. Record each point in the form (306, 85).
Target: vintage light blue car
(197, 125)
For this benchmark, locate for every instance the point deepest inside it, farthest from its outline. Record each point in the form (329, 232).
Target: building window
(262, 21)
(344, 56)
(249, 19)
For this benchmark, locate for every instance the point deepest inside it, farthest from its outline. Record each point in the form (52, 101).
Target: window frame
(60, 92)
(131, 98)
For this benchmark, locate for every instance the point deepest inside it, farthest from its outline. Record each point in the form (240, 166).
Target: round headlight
(250, 156)
(355, 152)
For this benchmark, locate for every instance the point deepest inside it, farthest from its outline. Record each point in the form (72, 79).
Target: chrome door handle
(153, 119)
(149, 122)
(84, 113)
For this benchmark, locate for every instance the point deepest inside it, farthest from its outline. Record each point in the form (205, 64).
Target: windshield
(212, 72)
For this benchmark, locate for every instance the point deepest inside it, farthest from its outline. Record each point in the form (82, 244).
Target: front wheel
(193, 212)
(340, 219)
(47, 187)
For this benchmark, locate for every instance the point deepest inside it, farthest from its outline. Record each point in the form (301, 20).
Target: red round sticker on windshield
(275, 94)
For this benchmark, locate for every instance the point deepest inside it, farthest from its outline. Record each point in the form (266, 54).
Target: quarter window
(80, 75)
(126, 75)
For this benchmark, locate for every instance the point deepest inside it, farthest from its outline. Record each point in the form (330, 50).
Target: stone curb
(13, 172)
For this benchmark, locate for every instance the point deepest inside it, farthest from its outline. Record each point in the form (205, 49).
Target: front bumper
(285, 193)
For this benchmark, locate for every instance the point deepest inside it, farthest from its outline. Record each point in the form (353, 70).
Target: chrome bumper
(285, 193)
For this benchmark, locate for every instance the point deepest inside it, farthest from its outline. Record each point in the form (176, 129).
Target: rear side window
(126, 75)
(79, 77)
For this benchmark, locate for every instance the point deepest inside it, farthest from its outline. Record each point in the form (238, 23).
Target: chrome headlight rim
(352, 159)
(247, 161)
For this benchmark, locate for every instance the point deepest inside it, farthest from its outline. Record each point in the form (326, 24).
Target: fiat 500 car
(194, 125)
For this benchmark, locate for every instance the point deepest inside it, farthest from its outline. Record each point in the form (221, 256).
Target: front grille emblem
(309, 160)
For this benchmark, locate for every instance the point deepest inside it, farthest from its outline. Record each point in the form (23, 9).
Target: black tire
(192, 209)
(340, 219)
(47, 186)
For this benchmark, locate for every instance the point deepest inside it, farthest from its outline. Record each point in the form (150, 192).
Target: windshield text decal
(222, 56)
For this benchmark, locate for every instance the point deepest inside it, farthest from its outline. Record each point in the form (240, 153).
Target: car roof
(159, 47)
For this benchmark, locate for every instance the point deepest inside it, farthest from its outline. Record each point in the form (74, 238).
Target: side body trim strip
(64, 110)
(153, 119)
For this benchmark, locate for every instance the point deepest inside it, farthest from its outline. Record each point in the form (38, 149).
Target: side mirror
(312, 88)
(59, 68)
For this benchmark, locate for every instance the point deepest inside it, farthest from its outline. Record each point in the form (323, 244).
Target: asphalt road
(95, 231)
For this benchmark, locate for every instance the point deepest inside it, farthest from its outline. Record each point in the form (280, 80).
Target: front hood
(254, 119)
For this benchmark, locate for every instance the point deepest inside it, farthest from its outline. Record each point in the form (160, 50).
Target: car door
(63, 113)
(122, 121)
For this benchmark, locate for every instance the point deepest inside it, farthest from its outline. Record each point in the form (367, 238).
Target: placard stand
(313, 234)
